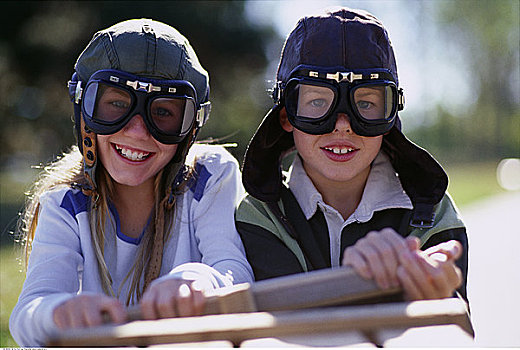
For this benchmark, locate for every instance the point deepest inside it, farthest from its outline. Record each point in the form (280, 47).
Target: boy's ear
(284, 121)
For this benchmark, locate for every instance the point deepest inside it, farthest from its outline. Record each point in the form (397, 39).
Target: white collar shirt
(383, 190)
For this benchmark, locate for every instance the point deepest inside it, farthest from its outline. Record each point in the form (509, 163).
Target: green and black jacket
(282, 242)
(279, 240)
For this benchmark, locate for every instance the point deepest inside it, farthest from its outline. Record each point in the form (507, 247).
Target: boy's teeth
(337, 150)
(135, 156)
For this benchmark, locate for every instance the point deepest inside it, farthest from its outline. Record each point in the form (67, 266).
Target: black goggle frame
(343, 84)
(143, 92)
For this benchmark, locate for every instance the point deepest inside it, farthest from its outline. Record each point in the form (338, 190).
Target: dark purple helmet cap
(341, 39)
(346, 39)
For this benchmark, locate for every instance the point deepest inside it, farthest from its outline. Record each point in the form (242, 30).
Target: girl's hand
(172, 298)
(87, 311)
(431, 274)
(377, 256)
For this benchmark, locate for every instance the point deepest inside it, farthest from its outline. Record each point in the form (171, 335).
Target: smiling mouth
(339, 150)
(132, 155)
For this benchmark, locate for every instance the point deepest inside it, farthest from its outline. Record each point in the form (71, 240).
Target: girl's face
(337, 157)
(132, 156)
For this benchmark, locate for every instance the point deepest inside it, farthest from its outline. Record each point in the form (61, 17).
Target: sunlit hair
(68, 171)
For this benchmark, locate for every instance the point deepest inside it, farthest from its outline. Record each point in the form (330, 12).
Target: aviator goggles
(110, 98)
(314, 98)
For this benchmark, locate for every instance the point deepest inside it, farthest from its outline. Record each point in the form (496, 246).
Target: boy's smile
(337, 157)
(339, 152)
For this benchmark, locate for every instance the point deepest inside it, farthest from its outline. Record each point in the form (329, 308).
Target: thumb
(452, 250)
(412, 242)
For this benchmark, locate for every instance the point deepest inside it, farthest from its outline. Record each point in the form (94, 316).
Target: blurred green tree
(42, 40)
(487, 34)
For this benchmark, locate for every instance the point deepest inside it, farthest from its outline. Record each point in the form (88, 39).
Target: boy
(358, 192)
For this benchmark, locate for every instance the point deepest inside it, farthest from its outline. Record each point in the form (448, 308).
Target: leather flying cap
(346, 39)
(146, 48)
(342, 39)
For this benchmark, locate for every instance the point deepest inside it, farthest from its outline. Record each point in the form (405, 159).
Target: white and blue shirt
(203, 245)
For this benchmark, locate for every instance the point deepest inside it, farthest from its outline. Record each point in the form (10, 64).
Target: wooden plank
(327, 287)
(239, 327)
(339, 286)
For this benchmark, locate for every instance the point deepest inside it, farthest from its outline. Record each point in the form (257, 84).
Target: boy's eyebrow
(369, 90)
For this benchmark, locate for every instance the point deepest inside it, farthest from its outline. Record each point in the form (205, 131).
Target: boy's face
(337, 157)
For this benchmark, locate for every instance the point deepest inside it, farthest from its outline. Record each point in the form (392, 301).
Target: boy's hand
(432, 274)
(377, 256)
(392, 260)
(87, 310)
(172, 298)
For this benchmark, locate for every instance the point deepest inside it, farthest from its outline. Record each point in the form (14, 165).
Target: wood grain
(242, 326)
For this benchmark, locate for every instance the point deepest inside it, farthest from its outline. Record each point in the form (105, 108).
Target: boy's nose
(343, 123)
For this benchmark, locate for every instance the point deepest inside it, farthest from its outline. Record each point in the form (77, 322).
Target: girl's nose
(136, 127)
(343, 123)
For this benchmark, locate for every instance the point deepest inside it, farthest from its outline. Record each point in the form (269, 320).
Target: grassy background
(468, 183)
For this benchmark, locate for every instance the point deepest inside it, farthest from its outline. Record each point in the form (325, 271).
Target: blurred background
(458, 63)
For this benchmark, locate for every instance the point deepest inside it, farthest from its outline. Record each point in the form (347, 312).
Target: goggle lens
(172, 115)
(313, 101)
(110, 105)
(374, 102)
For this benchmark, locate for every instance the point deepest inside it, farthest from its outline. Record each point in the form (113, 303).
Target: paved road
(494, 269)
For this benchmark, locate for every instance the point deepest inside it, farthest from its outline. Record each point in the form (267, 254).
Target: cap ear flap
(284, 121)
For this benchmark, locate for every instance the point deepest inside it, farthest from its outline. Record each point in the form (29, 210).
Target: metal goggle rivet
(140, 86)
(348, 76)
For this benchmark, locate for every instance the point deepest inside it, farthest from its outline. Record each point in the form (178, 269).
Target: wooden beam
(239, 327)
(327, 287)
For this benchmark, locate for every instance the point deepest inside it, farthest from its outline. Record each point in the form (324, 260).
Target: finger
(445, 276)
(352, 257)
(93, 316)
(115, 310)
(427, 276)
(199, 301)
(147, 305)
(61, 317)
(375, 263)
(419, 284)
(165, 303)
(452, 249)
(413, 243)
(184, 300)
(390, 245)
(410, 289)
(76, 308)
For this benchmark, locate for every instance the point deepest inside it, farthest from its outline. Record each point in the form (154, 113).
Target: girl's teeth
(135, 156)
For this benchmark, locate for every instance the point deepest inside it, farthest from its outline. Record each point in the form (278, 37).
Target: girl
(134, 214)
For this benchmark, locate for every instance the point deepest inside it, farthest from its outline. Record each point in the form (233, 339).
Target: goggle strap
(75, 90)
(278, 92)
(203, 113)
(400, 99)
(88, 140)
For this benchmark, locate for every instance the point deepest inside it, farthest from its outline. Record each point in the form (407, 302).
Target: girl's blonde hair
(68, 171)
